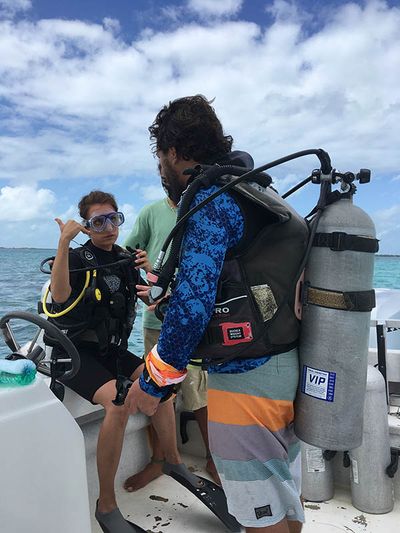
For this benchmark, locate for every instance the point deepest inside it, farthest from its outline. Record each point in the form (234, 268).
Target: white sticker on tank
(315, 461)
(354, 470)
(318, 383)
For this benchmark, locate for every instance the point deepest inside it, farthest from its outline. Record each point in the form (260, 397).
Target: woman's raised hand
(70, 229)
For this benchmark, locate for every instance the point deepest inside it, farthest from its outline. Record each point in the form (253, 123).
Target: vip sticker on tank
(315, 460)
(318, 383)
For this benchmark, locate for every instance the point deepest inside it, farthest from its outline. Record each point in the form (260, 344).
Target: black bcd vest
(109, 321)
(254, 308)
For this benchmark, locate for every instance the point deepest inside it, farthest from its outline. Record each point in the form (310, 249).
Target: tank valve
(364, 176)
(329, 454)
(346, 459)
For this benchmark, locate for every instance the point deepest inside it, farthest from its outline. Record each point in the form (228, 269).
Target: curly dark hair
(95, 197)
(190, 125)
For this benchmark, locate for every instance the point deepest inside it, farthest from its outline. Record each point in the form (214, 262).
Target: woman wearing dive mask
(98, 222)
(104, 311)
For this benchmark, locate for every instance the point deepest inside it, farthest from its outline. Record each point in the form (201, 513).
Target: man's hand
(138, 400)
(143, 292)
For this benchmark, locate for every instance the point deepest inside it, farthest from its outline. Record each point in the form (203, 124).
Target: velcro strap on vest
(338, 241)
(230, 333)
(345, 301)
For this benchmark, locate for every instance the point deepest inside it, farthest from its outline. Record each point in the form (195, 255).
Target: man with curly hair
(250, 400)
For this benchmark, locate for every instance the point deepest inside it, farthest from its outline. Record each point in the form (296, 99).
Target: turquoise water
(21, 282)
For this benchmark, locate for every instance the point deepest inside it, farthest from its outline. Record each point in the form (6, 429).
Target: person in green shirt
(152, 227)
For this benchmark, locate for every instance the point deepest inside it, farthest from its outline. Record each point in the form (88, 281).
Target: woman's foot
(212, 470)
(151, 471)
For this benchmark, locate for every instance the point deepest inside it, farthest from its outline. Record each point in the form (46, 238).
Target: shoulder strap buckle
(338, 241)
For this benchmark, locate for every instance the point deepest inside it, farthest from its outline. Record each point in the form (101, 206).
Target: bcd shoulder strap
(338, 241)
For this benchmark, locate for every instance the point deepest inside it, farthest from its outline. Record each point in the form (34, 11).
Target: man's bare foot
(151, 471)
(211, 469)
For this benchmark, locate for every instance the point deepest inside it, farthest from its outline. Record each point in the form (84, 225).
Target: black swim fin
(114, 521)
(206, 491)
(136, 528)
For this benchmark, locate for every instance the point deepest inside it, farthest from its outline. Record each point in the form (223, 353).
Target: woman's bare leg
(109, 444)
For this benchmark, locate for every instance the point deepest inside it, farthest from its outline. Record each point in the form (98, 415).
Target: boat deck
(164, 506)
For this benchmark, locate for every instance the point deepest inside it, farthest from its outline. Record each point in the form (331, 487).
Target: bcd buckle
(338, 243)
(235, 333)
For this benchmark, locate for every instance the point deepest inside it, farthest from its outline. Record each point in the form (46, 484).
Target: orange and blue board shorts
(252, 441)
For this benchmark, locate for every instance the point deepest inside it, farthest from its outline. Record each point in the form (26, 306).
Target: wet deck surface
(164, 506)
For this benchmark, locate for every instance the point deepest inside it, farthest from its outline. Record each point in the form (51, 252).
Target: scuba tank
(371, 487)
(337, 299)
(316, 474)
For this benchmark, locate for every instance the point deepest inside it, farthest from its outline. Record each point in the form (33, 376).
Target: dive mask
(99, 222)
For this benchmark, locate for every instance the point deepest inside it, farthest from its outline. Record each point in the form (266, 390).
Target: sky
(81, 81)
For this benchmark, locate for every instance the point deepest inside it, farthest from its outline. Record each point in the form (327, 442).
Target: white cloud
(282, 184)
(71, 213)
(152, 193)
(130, 214)
(387, 223)
(112, 25)
(130, 217)
(172, 13)
(22, 203)
(79, 100)
(8, 8)
(389, 214)
(283, 10)
(134, 186)
(216, 8)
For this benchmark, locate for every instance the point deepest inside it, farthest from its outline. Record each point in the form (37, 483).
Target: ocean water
(21, 282)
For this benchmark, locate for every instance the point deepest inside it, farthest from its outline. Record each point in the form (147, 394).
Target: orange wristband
(161, 372)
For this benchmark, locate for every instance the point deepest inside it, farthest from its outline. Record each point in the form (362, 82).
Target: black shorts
(96, 370)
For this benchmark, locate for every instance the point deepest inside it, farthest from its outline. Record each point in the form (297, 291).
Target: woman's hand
(142, 260)
(70, 229)
(60, 282)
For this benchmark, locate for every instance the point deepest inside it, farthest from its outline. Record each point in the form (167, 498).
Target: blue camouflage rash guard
(210, 232)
